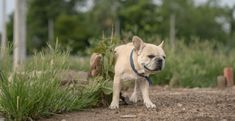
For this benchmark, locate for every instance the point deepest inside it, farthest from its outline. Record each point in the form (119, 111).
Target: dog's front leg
(134, 97)
(144, 87)
(116, 93)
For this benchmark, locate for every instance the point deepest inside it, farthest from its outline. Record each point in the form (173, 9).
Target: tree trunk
(50, 31)
(19, 33)
(172, 31)
(4, 32)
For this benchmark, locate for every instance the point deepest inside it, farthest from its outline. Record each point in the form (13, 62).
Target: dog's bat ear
(162, 44)
(137, 42)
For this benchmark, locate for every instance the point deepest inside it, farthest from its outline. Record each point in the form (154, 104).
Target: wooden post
(4, 30)
(50, 31)
(228, 74)
(172, 31)
(221, 82)
(19, 33)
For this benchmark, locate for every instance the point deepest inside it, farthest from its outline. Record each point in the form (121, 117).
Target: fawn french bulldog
(136, 61)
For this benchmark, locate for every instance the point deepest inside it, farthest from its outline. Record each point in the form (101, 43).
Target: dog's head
(150, 56)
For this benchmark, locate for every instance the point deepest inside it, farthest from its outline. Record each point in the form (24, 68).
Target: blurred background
(199, 34)
(79, 23)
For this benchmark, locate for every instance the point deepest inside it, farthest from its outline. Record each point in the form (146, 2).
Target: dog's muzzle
(159, 64)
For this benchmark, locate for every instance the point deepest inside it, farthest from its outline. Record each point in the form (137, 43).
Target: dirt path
(172, 105)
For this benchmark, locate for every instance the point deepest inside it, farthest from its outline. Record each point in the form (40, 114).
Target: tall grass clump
(79, 63)
(195, 65)
(6, 60)
(35, 91)
(106, 48)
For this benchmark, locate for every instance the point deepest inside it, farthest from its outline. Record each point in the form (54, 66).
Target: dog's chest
(128, 76)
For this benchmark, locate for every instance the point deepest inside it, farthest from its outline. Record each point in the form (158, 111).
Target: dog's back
(126, 48)
(122, 53)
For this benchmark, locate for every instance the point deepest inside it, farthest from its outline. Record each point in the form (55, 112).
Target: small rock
(128, 116)
(221, 82)
(179, 104)
(63, 120)
(196, 88)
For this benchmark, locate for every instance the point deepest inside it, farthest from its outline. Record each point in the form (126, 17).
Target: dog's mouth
(158, 68)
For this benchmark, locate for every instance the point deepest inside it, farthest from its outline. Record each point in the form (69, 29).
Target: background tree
(77, 28)
(41, 12)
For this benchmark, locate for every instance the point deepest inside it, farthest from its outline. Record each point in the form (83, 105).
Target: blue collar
(133, 68)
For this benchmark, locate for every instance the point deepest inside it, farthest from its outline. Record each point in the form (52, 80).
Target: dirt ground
(172, 105)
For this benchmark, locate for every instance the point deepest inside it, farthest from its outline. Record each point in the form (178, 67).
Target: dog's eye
(164, 57)
(151, 56)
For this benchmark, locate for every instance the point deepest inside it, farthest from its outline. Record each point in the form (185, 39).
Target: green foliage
(6, 61)
(73, 31)
(139, 17)
(106, 48)
(195, 66)
(96, 93)
(26, 98)
(79, 63)
(35, 90)
(39, 14)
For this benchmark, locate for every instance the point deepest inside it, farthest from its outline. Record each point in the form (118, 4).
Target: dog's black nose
(159, 64)
(159, 61)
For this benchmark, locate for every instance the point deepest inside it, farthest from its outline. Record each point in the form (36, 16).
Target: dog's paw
(114, 105)
(133, 98)
(149, 104)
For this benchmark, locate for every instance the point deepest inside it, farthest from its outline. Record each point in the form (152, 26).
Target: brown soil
(172, 105)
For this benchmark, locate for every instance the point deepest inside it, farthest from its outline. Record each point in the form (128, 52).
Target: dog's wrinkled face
(150, 56)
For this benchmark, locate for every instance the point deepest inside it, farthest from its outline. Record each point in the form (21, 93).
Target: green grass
(35, 90)
(6, 61)
(79, 63)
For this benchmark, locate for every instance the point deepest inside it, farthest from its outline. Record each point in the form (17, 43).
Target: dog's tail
(116, 51)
